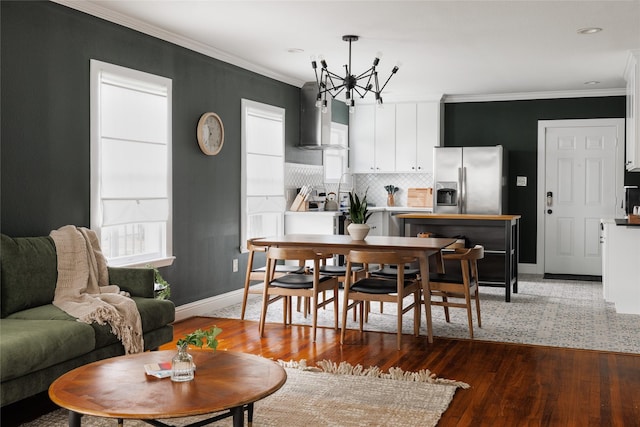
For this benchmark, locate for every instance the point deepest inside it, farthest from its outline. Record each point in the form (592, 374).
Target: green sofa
(38, 341)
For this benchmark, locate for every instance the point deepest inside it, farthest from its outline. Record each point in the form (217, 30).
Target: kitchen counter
(621, 265)
(323, 213)
(625, 222)
(462, 216)
(499, 234)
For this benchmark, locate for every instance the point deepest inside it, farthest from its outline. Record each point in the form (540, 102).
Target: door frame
(543, 125)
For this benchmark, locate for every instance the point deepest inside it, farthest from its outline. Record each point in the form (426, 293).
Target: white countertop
(398, 209)
(394, 209)
(323, 213)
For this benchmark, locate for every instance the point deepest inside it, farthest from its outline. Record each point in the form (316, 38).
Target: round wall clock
(210, 134)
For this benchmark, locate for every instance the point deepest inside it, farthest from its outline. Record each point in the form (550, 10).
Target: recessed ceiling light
(589, 30)
(295, 50)
(592, 82)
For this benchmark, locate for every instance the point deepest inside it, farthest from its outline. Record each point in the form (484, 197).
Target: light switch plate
(521, 181)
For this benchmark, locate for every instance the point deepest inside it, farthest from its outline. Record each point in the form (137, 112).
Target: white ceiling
(453, 48)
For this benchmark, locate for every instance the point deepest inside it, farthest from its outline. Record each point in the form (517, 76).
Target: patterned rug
(557, 313)
(329, 395)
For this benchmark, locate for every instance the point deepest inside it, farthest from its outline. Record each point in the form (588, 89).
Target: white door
(583, 180)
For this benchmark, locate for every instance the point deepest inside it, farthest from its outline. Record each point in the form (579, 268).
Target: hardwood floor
(511, 384)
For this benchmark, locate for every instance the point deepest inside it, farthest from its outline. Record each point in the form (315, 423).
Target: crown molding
(153, 31)
(521, 96)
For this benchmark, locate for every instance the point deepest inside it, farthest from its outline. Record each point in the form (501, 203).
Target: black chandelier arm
(367, 73)
(395, 70)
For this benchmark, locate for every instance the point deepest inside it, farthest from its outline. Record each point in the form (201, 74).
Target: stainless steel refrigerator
(470, 180)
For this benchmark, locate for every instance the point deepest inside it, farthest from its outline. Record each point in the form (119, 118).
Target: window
(335, 160)
(263, 201)
(131, 165)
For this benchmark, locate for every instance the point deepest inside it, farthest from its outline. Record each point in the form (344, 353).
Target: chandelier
(334, 84)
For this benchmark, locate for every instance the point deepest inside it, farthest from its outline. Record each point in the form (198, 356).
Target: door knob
(549, 211)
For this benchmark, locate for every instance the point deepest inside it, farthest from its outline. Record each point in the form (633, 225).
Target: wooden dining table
(419, 247)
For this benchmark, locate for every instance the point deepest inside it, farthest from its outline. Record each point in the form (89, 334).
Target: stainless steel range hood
(315, 126)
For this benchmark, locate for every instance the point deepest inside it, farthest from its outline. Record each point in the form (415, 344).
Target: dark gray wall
(514, 124)
(45, 172)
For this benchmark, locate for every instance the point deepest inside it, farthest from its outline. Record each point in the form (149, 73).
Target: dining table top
(342, 243)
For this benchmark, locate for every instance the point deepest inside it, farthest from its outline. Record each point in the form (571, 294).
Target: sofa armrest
(138, 282)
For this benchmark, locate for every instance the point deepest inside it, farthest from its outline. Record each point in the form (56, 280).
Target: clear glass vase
(182, 367)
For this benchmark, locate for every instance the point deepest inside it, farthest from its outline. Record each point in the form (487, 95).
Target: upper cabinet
(361, 139)
(633, 109)
(396, 138)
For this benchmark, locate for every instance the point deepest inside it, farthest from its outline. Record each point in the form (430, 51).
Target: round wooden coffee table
(119, 388)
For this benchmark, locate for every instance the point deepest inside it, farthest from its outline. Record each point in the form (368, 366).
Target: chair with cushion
(258, 274)
(294, 284)
(462, 284)
(381, 289)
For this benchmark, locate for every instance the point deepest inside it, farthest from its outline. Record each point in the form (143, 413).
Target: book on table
(158, 370)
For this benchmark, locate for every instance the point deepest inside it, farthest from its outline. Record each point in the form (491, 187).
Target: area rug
(329, 395)
(558, 313)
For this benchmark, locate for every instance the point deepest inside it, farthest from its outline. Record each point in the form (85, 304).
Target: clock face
(210, 133)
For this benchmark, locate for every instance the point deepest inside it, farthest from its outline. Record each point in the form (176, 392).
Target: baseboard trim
(580, 277)
(207, 305)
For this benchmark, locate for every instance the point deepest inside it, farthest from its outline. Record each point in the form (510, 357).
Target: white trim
(543, 125)
(207, 305)
(153, 31)
(520, 96)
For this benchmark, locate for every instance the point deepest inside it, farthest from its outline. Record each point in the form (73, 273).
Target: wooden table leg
(426, 294)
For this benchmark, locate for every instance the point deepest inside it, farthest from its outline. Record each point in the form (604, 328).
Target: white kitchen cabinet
(361, 139)
(396, 138)
(385, 139)
(621, 266)
(417, 132)
(372, 139)
(378, 223)
(406, 137)
(632, 75)
(428, 134)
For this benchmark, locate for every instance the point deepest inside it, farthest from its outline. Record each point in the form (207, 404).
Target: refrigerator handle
(462, 181)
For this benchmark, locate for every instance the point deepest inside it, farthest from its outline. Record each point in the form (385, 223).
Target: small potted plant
(182, 367)
(358, 214)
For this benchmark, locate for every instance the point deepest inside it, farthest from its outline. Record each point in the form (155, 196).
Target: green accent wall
(45, 167)
(514, 125)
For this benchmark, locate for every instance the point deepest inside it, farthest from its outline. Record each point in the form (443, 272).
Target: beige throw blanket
(83, 289)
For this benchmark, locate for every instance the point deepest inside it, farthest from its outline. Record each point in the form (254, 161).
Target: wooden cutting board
(420, 197)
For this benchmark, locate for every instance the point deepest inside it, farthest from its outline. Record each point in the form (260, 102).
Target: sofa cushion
(154, 314)
(31, 345)
(29, 273)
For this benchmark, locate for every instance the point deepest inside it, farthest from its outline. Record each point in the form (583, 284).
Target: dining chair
(295, 284)
(255, 274)
(381, 289)
(462, 284)
(410, 272)
(340, 271)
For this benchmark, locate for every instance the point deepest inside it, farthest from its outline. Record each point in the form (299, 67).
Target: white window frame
(268, 205)
(335, 161)
(148, 84)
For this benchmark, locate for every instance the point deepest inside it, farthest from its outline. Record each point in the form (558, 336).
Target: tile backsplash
(374, 185)
(296, 175)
